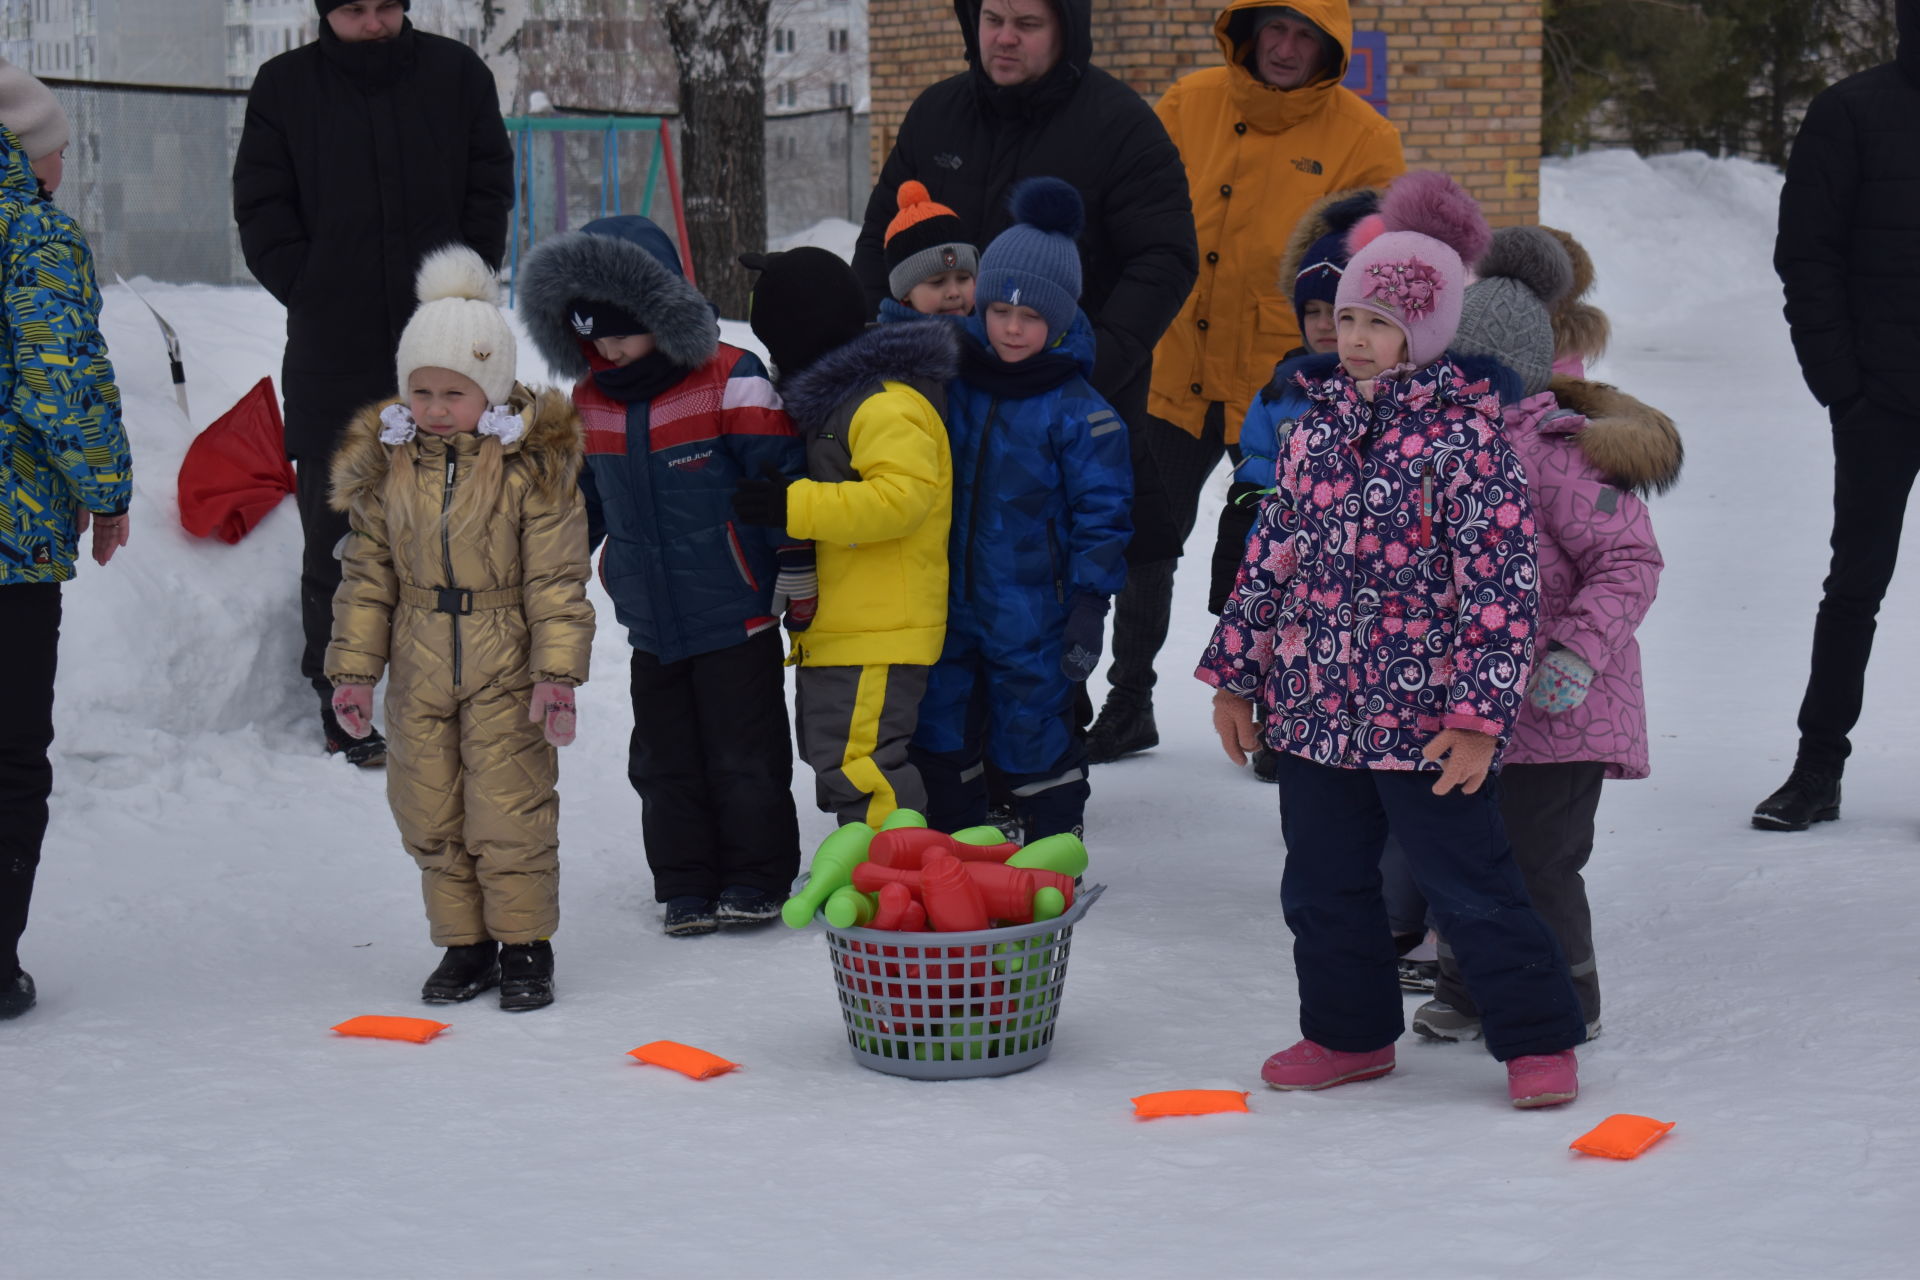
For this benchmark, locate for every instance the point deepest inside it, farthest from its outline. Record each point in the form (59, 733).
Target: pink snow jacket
(1589, 452)
(1388, 590)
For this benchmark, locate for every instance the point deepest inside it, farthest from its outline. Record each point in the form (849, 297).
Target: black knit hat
(328, 6)
(596, 318)
(806, 302)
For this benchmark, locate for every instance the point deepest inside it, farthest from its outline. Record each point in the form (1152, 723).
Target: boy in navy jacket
(674, 418)
(1043, 487)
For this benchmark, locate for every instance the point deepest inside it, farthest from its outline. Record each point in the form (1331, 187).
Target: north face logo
(582, 325)
(1304, 165)
(947, 160)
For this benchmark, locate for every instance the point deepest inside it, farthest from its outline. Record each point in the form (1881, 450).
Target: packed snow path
(215, 895)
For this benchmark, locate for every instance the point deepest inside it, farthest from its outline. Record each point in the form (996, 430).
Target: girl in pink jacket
(1590, 454)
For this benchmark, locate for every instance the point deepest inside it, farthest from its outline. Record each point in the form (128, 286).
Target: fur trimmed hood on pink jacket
(1591, 454)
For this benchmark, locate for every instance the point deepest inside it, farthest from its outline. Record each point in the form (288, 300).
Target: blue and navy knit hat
(1035, 263)
(1317, 278)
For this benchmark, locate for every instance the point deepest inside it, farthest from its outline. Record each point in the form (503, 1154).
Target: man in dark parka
(361, 153)
(1849, 256)
(971, 137)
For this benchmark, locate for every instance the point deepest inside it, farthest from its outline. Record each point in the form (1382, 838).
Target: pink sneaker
(1312, 1066)
(1543, 1079)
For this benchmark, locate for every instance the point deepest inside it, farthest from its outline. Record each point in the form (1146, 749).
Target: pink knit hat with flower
(1410, 260)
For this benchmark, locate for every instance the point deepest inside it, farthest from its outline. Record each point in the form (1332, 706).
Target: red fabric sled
(236, 470)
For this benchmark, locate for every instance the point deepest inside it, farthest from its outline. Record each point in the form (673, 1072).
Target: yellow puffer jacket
(879, 534)
(1256, 158)
(525, 561)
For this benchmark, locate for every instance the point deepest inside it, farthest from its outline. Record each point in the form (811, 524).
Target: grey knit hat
(1035, 263)
(29, 108)
(1507, 313)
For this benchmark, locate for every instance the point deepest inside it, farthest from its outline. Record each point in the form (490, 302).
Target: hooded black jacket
(970, 141)
(356, 160)
(1849, 245)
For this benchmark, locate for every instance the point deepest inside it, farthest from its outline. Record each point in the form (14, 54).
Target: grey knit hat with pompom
(1508, 311)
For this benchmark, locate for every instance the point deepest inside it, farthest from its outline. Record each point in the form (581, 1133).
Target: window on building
(839, 94)
(837, 40)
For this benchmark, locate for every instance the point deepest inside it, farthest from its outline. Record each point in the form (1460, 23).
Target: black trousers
(712, 759)
(29, 642)
(1876, 454)
(1144, 607)
(321, 527)
(1335, 822)
(1548, 810)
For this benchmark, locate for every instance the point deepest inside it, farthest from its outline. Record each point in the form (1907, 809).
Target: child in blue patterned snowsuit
(1043, 488)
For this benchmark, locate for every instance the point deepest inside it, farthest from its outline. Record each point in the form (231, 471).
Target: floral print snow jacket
(1388, 591)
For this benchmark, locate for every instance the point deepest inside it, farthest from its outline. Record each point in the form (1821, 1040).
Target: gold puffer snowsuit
(469, 777)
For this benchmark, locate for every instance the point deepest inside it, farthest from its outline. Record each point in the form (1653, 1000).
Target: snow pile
(836, 235)
(215, 894)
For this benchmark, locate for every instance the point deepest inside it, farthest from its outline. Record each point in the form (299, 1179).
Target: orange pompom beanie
(924, 239)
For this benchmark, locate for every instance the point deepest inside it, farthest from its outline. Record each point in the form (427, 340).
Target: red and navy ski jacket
(685, 577)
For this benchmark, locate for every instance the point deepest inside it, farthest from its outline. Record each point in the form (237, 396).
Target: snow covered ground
(215, 895)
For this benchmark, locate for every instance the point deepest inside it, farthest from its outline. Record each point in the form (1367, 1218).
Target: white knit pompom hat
(457, 325)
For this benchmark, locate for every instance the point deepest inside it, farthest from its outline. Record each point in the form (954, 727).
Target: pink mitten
(553, 711)
(353, 708)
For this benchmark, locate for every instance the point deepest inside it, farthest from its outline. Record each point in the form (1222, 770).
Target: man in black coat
(361, 153)
(1036, 105)
(1849, 255)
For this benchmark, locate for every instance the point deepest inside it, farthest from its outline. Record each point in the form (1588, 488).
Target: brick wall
(1463, 79)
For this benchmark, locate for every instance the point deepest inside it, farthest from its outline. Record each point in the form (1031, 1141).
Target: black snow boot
(463, 973)
(1124, 727)
(16, 997)
(369, 752)
(526, 975)
(1806, 797)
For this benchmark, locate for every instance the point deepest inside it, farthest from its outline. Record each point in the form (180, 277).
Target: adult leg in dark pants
(712, 759)
(1335, 822)
(1876, 455)
(1548, 810)
(1144, 607)
(29, 644)
(321, 529)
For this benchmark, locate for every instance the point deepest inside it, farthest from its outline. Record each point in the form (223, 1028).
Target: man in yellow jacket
(1263, 137)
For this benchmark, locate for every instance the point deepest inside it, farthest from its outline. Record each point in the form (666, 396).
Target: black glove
(1230, 544)
(1082, 637)
(762, 499)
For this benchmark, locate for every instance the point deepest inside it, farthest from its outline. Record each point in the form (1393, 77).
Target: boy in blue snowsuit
(1043, 487)
(673, 419)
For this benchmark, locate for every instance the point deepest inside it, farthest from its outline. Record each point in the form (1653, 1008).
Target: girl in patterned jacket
(1590, 453)
(1385, 614)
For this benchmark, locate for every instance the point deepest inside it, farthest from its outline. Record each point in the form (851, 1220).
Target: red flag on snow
(236, 470)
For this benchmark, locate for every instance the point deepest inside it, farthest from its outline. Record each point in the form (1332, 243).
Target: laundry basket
(951, 1006)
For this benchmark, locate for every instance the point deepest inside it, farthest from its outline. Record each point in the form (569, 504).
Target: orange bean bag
(1622, 1137)
(381, 1027)
(684, 1058)
(1189, 1102)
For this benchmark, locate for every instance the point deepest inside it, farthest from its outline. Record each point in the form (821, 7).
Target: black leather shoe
(463, 973)
(17, 997)
(1808, 796)
(526, 976)
(1124, 727)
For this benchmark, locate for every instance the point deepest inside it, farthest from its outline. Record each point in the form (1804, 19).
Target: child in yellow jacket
(464, 581)
(877, 504)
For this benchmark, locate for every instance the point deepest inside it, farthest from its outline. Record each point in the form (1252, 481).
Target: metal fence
(149, 177)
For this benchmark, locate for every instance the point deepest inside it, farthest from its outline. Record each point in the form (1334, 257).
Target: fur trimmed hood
(924, 350)
(1315, 224)
(551, 450)
(1630, 442)
(615, 260)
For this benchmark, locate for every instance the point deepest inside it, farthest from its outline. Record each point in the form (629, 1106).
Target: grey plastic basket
(953, 1006)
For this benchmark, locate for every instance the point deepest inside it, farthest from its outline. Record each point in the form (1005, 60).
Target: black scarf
(375, 64)
(1022, 380)
(644, 379)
